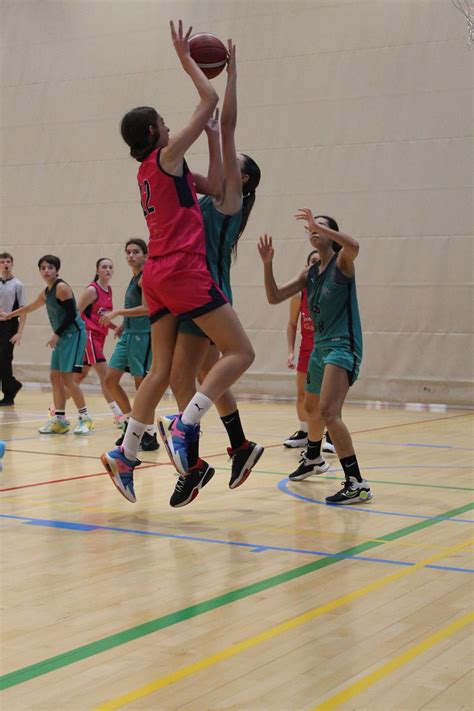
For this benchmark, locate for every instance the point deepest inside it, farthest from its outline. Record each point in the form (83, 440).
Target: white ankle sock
(151, 429)
(133, 435)
(196, 409)
(115, 409)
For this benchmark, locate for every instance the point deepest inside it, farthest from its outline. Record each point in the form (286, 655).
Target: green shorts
(320, 357)
(68, 353)
(189, 327)
(132, 354)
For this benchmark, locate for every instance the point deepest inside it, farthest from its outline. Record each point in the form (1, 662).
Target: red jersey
(101, 306)
(307, 326)
(171, 209)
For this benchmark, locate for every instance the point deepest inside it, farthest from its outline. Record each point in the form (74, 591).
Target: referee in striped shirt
(12, 295)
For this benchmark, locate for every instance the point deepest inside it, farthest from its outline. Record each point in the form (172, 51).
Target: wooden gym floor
(254, 599)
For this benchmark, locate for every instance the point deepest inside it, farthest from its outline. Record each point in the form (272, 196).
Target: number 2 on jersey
(145, 196)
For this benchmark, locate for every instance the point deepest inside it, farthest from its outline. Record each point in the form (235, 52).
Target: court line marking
(64, 659)
(282, 486)
(232, 650)
(393, 664)
(251, 547)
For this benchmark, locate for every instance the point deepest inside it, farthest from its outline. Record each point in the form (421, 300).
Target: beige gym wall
(356, 108)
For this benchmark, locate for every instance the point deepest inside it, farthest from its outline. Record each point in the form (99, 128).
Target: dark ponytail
(332, 224)
(251, 169)
(135, 130)
(97, 265)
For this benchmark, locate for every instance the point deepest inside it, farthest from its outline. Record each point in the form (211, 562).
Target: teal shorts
(68, 354)
(132, 354)
(320, 357)
(189, 327)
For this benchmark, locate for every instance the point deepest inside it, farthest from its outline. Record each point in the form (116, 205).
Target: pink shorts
(94, 348)
(303, 360)
(180, 283)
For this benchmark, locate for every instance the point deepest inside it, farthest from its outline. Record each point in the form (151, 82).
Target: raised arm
(275, 293)
(23, 310)
(350, 246)
(231, 201)
(212, 184)
(172, 154)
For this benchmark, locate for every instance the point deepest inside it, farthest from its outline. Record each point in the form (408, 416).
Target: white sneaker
(328, 447)
(308, 467)
(297, 439)
(84, 426)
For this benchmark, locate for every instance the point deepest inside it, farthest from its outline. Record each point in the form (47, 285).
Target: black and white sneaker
(352, 492)
(243, 461)
(308, 467)
(188, 485)
(119, 442)
(297, 439)
(327, 445)
(149, 442)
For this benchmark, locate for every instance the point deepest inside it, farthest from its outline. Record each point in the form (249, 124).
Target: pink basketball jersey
(101, 306)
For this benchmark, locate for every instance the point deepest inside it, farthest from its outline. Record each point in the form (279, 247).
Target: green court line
(372, 481)
(19, 676)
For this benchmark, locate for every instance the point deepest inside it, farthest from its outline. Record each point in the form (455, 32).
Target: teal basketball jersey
(133, 298)
(56, 310)
(221, 233)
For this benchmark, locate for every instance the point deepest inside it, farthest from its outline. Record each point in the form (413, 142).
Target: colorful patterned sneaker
(352, 492)
(297, 439)
(177, 437)
(120, 422)
(243, 460)
(120, 469)
(308, 467)
(56, 425)
(327, 445)
(84, 426)
(149, 443)
(188, 485)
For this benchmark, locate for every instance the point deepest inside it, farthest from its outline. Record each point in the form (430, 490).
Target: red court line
(208, 456)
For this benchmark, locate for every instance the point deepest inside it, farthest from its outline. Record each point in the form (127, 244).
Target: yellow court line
(394, 664)
(234, 649)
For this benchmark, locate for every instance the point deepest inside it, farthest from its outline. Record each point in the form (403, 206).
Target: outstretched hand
(265, 249)
(304, 213)
(180, 41)
(231, 59)
(212, 126)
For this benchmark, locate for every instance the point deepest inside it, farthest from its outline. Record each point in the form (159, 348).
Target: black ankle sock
(328, 437)
(234, 429)
(60, 413)
(351, 467)
(313, 450)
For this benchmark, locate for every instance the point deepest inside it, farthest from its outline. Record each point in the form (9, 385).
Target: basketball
(209, 53)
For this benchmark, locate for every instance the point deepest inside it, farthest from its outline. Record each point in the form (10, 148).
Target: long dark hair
(134, 128)
(251, 169)
(97, 265)
(332, 224)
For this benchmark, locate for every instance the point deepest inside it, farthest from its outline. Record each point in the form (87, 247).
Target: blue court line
(282, 485)
(252, 547)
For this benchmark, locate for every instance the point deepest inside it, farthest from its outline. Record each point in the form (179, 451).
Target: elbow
(273, 300)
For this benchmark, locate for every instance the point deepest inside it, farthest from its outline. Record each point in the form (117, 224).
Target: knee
(327, 412)
(248, 355)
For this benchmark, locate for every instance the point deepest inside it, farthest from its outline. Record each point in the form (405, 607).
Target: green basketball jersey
(133, 297)
(332, 301)
(221, 233)
(56, 311)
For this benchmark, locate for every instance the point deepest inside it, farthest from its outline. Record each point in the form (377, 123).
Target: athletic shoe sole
(299, 443)
(355, 500)
(111, 468)
(249, 465)
(205, 480)
(175, 459)
(301, 477)
(328, 448)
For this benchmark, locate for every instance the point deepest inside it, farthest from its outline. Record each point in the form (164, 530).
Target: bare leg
(112, 383)
(75, 389)
(59, 393)
(189, 354)
(227, 403)
(334, 389)
(300, 396)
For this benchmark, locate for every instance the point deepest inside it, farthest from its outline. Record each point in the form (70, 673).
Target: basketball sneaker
(120, 469)
(84, 426)
(149, 442)
(308, 467)
(188, 485)
(297, 439)
(327, 446)
(119, 442)
(352, 492)
(55, 425)
(177, 437)
(120, 422)
(243, 460)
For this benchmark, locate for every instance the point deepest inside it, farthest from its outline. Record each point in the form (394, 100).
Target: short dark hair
(135, 130)
(6, 255)
(50, 259)
(139, 242)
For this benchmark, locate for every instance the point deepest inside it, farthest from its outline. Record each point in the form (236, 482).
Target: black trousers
(9, 382)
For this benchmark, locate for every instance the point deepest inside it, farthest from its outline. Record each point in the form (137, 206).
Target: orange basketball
(209, 53)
